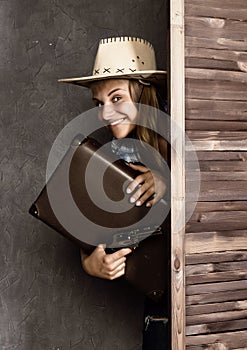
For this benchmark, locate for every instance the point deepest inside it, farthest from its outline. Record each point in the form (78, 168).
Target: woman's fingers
(147, 187)
(114, 264)
(117, 272)
(108, 266)
(139, 179)
(119, 255)
(137, 184)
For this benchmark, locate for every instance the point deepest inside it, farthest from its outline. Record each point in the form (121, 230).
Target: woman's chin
(120, 132)
(120, 135)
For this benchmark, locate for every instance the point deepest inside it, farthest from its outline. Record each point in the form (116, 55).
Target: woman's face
(117, 109)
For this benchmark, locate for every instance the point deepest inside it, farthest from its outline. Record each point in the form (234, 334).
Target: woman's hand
(149, 184)
(108, 266)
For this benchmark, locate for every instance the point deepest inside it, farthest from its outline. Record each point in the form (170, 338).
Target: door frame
(177, 111)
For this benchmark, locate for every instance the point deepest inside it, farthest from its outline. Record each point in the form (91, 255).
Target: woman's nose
(107, 111)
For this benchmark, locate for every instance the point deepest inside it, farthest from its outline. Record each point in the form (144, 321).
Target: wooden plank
(223, 125)
(218, 220)
(221, 176)
(217, 145)
(204, 216)
(221, 206)
(200, 216)
(195, 62)
(205, 242)
(229, 156)
(223, 114)
(216, 287)
(215, 89)
(224, 326)
(215, 346)
(216, 317)
(216, 297)
(216, 257)
(212, 190)
(177, 104)
(217, 140)
(216, 109)
(224, 55)
(230, 340)
(217, 135)
(216, 307)
(215, 43)
(207, 27)
(215, 9)
(215, 74)
(222, 191)
(216, 105)
(223, 165)
(216, 277)
(209, 267)
(222, 4)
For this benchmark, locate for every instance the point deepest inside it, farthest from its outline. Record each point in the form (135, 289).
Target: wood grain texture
(209, 267)
(217, 135)
(205, 288)
(216, 317)
(216, 123)
(223, 190)
(177, 173)
(208, 27)
(216, 277)
(216, 327)
(222, 176)
(210, 124)
(216, 89)
(218, 140)
(231, 340)
(206, 222)
(215, 43)
(231, 10)
(211, 63)
(216, 307)
(216, 297)
(215, 346)
(216, 109)
(215, 74)
(222, 165)
(205, 242)
(216, 257)
(222, 156)
(220, 145)
(210, 53)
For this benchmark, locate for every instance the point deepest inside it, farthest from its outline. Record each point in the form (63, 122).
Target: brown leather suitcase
(85, 201)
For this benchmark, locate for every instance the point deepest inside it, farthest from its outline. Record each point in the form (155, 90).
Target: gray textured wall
(46, 300)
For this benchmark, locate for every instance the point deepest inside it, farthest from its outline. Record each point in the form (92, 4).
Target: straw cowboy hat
(122, 58)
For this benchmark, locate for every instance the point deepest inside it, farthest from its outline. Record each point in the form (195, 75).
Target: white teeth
(115, 122)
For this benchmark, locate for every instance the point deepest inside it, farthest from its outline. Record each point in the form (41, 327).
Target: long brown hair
(146, 94)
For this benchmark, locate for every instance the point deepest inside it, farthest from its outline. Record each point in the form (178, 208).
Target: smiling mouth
(116, 122)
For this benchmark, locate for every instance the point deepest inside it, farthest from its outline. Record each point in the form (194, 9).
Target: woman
(124, 78)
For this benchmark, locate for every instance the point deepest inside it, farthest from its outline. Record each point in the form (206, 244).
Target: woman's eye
(98, 104)
(116, 99)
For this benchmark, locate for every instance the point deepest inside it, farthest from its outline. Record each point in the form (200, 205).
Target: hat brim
(152, 76)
